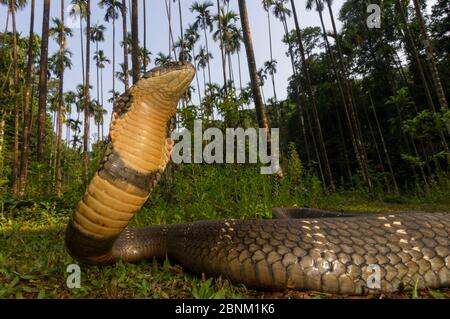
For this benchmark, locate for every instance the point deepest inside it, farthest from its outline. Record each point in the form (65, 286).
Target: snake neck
(132, 165)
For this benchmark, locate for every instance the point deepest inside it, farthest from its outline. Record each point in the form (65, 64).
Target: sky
(157, 40)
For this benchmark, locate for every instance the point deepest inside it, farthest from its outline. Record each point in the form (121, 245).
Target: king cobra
(301, 249)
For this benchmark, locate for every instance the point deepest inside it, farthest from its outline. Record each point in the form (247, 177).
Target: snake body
(315, 250)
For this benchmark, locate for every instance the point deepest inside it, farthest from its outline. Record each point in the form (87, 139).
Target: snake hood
(136, 155)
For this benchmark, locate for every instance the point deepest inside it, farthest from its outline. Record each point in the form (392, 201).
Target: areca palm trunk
(207, 52)
(269, 23)
(97, 73)
(23, 174)
(113, 60)
(144, 8)
(430, 57)
(261, 114)
(135, 40)
(125, 44)
(87, 115)
(239, 69)
(43, 81)
(431, 61)
(15, 164)
(420, 68)
(385, 150)
(58, 173)
(222, 49)
(323, 149)
(349, 111)
(351, 105)
(196, 77)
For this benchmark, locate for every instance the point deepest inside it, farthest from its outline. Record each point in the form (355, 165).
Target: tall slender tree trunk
(222, 49)
(58, 173)
(239, 69)
(261, 114)
(272, 75)
(410, 38)
(207, 53)
(15, 163)
(101, 81)
(43, 81)
(431, 60)
(262, 118)
(2, 140)
(135, 41)
(113, 61)
(87, 102)
(97, 73)
(82, 46)
(351, 104)
(23, 175)
(313, 100)
(181, 23)
(385, 150)
(349, 111)
(125, 44)
(197, 77)
(144, 8)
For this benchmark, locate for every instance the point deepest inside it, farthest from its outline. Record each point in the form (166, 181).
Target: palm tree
(202, 59)
(144, 8)
(79, 10)
(125, 45)
(271, 68)
(191, 38)
(135, 38)
(101, 61)
(99, 113)
(181, 21)
(62, 45)
(97, 35)
(222, 49)
(313, 99)
(43, 81)
(13, 6)
(203, 20)
(431, 61)
(409, 37)
(267, 4)
(23, 174)
(70, 99)
(229, 36)
(262, 77)
(261, 115)
(235, 48)
(162, 59)
(113, 7)
(353, 121)
(87, 96)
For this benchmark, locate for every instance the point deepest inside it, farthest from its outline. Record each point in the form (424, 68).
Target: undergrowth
(33, 259)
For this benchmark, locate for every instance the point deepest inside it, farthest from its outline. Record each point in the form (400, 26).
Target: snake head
(166, 83)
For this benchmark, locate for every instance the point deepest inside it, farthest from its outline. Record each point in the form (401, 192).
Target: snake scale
(329, 252)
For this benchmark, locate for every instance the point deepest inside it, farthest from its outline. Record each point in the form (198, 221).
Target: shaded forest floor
(33, 262)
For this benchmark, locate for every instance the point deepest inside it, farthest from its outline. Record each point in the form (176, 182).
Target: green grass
(33, 264)
(33, 259)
